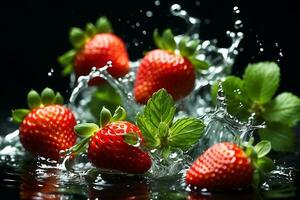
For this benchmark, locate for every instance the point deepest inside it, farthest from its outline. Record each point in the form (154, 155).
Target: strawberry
(48, 127)
(94, 47)
(113, 145)
(226, 165)
(168, 68)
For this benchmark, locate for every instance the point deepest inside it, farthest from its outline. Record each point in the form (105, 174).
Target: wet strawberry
(169, 68)
(108, 150)
(94, 47)
(226, 165)
(110, 147)
(48, 127)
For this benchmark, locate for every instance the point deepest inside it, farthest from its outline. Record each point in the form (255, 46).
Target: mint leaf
(104, 95)
(185, 132)
(237, 100)
(285, 108)
(265, 164)
(262, 148)
(282, 137)
(160, 108)
(163, 130)
(148, 131)
(86, 129)
(261, 81)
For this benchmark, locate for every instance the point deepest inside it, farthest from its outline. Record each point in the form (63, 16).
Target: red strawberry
(166, 68)
(48, 127)
(226, 165)
(109, 146)
(108, 150)
(93, 48)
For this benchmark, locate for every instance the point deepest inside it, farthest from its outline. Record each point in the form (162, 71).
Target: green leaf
(265, 164)
(182, 46)
(163, 130)
(67, 70)
(282, 137)
(33, 99)
(262, 148)
(90, 29)
(119, 115)
(185, 132)
(188, 47)
(285, 108)
(261, 81)
(168, 40)
(77, 37)
(19, 114)
(256, 180)
(157, 39)
(58, 99)
(148, 130)
(103, 25)
(67, 58)
(198, 64)
(131, 138)
(237, 100)
(47, 96)
(86, 129)
(105, 116)
(104, 95)
(160, 108)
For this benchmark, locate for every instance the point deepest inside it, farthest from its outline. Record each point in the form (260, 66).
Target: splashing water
(195, 104)
(222, 126)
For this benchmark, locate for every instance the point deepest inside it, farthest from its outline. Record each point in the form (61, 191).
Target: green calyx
(159, 129)
(259, 161)
(78, 37)
(188, 48)
(256, 93)
(35, 100)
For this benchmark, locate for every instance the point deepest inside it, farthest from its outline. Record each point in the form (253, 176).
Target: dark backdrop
(35, 32)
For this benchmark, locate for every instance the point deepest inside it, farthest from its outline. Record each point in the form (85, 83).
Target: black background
(35, 32)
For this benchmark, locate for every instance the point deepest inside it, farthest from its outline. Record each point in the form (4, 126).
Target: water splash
(123, 86)
(222, 126)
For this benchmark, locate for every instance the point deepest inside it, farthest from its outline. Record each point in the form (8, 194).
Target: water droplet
(144, 32)
(51, 72)
(261, 49)
(280, 54)
(137, 24)
(141, 10)
(149, 13)
(238, 24)
(197, 3)
(157, 2)
(236, 10)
